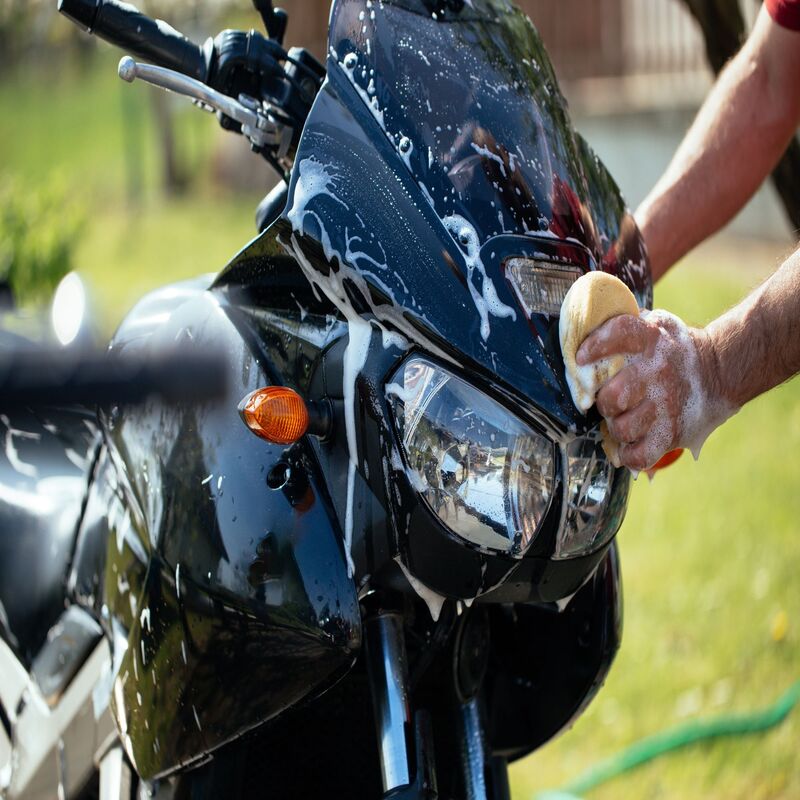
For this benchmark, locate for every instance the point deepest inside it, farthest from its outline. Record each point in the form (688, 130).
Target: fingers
(622, 392)
(622, 334)
(635, 424)
(643, 402)
(638, 456)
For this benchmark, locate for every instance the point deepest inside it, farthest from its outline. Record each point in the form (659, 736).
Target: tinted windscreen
(470, 102)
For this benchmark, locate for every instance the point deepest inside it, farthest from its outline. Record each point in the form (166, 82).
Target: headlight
(487, 475)
(589, 483)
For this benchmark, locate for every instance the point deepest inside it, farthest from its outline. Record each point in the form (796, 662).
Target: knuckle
(605, 402)
(630, 457)
(619, 429)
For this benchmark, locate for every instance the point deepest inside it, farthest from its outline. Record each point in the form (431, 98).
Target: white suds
(700, 414)
(348, 65)
(355, 266)
(431, 599)
(674, 354)
(486, 299)
(487, 153)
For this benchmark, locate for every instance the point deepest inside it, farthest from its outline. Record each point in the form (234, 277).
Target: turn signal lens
(275, 413)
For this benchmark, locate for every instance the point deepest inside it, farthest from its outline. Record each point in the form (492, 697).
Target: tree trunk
(174, 176)
(722, 24)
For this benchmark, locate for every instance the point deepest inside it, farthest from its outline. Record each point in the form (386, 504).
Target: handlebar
(257, 88)
(124, 25)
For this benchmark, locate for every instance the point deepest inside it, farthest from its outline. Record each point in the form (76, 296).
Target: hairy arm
(737, 138)
(681, 383)
(756, 345)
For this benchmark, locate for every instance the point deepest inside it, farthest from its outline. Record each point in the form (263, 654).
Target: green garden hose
(661, 743)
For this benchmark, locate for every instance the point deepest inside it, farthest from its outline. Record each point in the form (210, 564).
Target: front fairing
(439, 147)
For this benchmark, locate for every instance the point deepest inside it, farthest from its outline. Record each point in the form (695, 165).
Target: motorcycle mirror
(69, 312)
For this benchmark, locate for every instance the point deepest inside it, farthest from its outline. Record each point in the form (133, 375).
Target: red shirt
(785, 12)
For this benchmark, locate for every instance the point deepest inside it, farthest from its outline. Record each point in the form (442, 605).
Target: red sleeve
(785, 12)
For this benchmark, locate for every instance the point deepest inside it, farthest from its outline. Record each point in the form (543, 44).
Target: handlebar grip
(125, 26)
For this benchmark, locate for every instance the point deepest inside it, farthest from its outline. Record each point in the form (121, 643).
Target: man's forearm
(735, 141)
(756, 345)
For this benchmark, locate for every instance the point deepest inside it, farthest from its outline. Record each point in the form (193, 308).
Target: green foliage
(39, 231)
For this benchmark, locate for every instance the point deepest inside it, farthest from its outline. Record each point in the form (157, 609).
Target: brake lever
(257, 124)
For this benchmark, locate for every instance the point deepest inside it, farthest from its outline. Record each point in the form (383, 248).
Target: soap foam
(486, 299)
(700, 412)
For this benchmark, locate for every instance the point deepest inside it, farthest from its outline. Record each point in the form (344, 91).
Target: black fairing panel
(44, 472)
(436, 150)
(406, 216)
(492, 155)
(547, 664)
(233, 596)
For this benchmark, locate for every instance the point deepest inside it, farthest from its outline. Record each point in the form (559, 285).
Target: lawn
(710, 550)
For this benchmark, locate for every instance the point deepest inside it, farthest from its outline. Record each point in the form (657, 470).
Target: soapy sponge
(592, 300)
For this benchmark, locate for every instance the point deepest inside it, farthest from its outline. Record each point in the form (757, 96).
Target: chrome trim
(257, 123)
(388, 678)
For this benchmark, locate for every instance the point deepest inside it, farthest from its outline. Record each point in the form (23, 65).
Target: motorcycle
(381, 562)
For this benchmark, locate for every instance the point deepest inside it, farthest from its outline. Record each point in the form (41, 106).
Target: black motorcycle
(381, 564)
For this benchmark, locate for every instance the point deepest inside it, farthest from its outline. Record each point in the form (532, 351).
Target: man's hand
(661, 399)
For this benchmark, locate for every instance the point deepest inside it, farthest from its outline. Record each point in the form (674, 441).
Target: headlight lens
(589, 482)
(487, 475)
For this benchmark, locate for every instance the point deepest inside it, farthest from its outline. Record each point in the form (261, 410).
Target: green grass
(710, 550)
(710, 556)
(126, 254)
(84, 131)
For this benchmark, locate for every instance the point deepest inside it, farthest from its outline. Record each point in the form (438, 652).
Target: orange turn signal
(275, 413)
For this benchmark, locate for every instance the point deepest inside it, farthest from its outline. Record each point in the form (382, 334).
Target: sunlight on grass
(127, 254)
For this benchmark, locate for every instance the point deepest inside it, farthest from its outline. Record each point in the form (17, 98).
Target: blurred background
(135, 188)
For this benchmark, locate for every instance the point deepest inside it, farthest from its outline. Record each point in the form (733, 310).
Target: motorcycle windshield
(469, 100)
(438, 150)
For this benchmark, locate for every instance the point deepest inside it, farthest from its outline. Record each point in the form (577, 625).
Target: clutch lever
(258, 125)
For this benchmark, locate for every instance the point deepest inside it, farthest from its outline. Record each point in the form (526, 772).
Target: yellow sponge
(592, 300)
